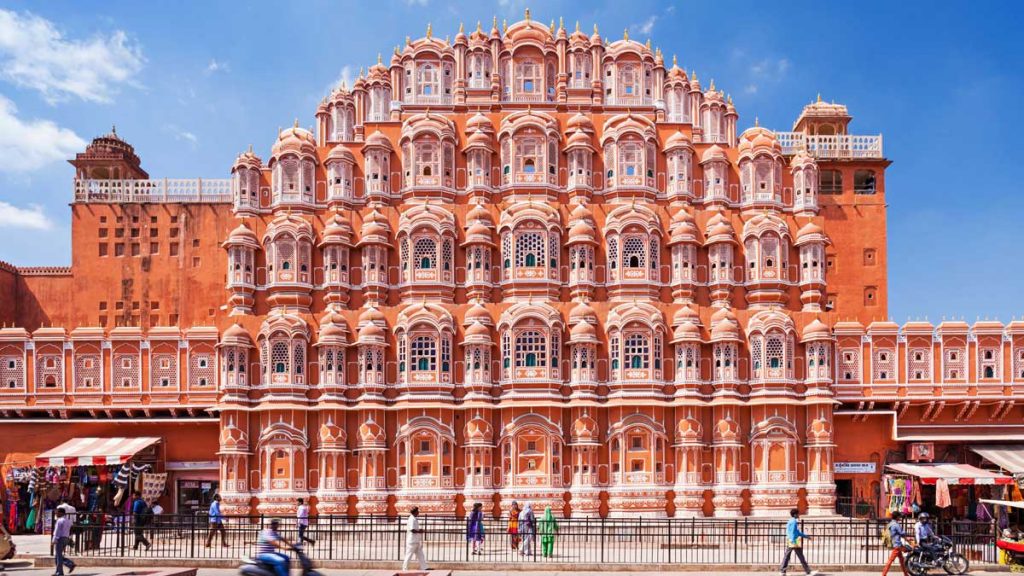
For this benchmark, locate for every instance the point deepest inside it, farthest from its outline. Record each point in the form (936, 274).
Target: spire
(561, 23)
(113, 127)
(527, 14)
(648, 44)
(462, 29)
(625, 34)
(712, 87)
(379, 59)
(430, 30)
(552, 25)
(757, 122)
(675, 61)
(478, 27)
(577, 25)
(819, 97)
(296, 125)
(250, 148)
(504, 25)
(595, 28)
(494, 23)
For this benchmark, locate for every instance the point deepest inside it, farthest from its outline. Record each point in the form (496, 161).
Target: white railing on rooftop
(832, 147)
(181, 190)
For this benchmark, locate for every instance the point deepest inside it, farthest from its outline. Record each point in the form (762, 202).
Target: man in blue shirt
(898, 538)
(216, 523)
(268, 544)
(140, 517)
(61, 537)
(795, 543)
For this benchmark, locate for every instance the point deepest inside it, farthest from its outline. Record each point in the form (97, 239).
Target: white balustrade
(164, 190)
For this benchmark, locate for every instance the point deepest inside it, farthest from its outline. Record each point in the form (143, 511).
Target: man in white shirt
(70, 513)
(302, 520)
(61, 536)
(414, 540)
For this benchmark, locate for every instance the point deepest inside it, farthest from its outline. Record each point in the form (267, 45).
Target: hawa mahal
(526, 263)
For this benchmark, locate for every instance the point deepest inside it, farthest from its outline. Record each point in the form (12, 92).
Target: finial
(552, 25)
(113, 129)
(462, 29)
(504, 25)
(296, 125)
(408, 40)
(362, 71)
(430, 30)
(712, 87)
(478, 27)
(595, 28)
(494, 23)
(729, 97)
(648, 44)
(693, 74)
(756, 122)
(250, 148)
(675, 61)
(625, 34)
(819, 97)
(577, 25)
(561, 23)
(527, 13)
(447, 39)
(396, 49)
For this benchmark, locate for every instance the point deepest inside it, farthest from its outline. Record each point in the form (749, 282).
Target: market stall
(949, 491)
(95, 475)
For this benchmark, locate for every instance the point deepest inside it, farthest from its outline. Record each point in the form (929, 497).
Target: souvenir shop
(95, 475)
(949, 492)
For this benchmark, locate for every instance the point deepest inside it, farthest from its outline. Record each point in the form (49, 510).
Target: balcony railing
(846, 146)
(172, 190)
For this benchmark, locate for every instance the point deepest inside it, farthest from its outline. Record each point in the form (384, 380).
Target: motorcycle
(942, 555)
(253, 567)
(1014, 551)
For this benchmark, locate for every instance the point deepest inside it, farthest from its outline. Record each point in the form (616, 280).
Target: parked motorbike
(253, 567)
(941, 555)
(1014, 551)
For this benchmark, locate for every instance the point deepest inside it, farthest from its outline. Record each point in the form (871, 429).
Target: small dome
(580, 121)
(338, 231)
(247, 159)
(819, 431)
(378, 140)
(478, 432)
(478, 313)
(724, 326)
(584, 332)
(689, 431)
(294, 140)
(375, 228)
(714, 154)
(582, 312)
(478, 140)
(727, 430)
(686, 315)
(342, 154)
(479, 213)
(477, 333)
(332, 329)
(579, 139)
(686, 332)
(584, 430)
(236, 335)
(371, 314)
(677, 141)
(816, 330)
(479, 122)
(478, 233)
(332, 436)
(371, 435)
(371, 334)
(582, 231)
(581, 212)
(243, 236)
(233, 438)
(682, 228)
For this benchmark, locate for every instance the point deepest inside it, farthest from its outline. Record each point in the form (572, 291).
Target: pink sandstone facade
(527, 264)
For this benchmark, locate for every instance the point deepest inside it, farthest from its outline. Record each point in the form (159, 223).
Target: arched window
(637, 350)
(425, 253)
(423, 353)
(530, 249)
(633, 255)
(279, 357)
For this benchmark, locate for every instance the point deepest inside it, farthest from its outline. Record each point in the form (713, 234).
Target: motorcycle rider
(267, 545)
(925, 536)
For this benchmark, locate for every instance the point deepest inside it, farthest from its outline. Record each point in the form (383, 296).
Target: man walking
(140, 517)
(216, 523)
(302, 519)
(61, 537)
(897, 539)
(795, 544)
(71, 513)
(414, 540)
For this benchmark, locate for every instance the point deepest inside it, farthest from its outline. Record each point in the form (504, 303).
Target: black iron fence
(577, 540)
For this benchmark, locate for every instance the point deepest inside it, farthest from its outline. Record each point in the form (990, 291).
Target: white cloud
(764, 71)
(32, 217)
(181, 134)
(344, 77)
(644, 27)
(35, 54)
(750, 89)
(27, 145)
(217, 66)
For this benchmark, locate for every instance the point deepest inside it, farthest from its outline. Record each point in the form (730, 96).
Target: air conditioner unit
(920, 452)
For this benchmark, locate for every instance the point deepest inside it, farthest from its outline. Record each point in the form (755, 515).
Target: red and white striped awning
(951, 473)
(94, 451)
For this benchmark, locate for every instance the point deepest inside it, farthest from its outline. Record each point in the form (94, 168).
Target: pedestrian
(414, 540)
(513, 525)
(72, 514)
(140, 517)
(216, 523)
(267, 545)
(548, 529)
(528, 529)
(61, 537)
(302, 519)
(475, 527)
(795, 544)
(896, 538)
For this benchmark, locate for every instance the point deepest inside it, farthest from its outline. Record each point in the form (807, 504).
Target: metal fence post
(867, 541)
(670, 541)
(602, 540)
(735, 541)
(192, 536)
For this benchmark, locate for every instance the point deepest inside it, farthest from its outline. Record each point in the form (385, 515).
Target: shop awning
(951, 473)
(1007, 503)
(1007, 456)
(94, 451)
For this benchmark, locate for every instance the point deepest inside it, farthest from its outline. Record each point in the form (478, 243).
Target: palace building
(525, 263)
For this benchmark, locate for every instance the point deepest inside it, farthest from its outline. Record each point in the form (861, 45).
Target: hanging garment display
(942, 499)
(153, 486)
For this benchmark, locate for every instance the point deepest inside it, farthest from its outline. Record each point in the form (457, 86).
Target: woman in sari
(548, 529)
(475, 527)
(513, 525)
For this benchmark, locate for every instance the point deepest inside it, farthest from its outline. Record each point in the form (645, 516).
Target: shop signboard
(855, 468)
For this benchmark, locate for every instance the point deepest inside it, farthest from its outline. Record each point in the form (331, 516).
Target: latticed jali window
(12, 372)
(126, 370)
(920, 363)
(425, 254)
(530, 249)
(1018, 363)
(164, 371)
(49, 372)
(884, 364)
(200, 370)
(88, 373)
(989, 363)
(955, 363)
(423, 353)
(849, 364)
(637, 348)
(633, 255)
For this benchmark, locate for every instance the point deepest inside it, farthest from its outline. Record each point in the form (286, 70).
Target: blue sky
(193, 84)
